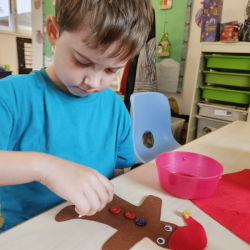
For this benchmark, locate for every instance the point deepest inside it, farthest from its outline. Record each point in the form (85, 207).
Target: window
(15, 16)
(24, 16)
(6, 16)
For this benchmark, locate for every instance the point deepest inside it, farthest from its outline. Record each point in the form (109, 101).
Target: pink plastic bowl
(188, 175)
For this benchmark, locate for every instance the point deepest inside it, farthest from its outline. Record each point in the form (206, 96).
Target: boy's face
(81, 70)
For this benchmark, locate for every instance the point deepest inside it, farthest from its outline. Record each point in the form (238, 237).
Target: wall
(8, 52)
(232, 10)
(49, 9)
(8, 48)
(37, 24)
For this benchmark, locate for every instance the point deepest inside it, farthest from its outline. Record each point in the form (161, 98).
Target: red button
(130, 215)
(115, 210)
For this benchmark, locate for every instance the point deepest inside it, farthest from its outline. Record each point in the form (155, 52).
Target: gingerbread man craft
(135, 223)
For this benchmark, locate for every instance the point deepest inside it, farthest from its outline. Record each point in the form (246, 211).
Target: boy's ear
(52, 28)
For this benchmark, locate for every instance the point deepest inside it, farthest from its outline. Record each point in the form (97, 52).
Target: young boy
(62, 131)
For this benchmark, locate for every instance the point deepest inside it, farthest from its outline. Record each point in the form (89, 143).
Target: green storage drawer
(228, 62)
(228, 79)
(225, 95)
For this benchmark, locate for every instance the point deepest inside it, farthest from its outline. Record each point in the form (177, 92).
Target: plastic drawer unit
(228, 62)
(208, 125)
(225, 95)
(227, 79)
(222, 113)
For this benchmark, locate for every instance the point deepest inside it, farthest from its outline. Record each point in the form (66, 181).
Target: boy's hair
(127, 22)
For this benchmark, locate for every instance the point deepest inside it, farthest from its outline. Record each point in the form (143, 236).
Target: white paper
(27, 45)
(222, 113)
(48, 61)
(167, 72)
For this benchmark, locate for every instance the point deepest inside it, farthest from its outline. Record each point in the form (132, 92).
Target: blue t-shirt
(36, 115)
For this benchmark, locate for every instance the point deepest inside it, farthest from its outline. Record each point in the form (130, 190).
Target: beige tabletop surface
(229, 145)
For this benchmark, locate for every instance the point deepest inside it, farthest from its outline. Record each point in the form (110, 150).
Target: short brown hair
(125, 21)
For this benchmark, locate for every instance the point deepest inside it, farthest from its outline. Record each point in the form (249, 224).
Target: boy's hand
(88, 190)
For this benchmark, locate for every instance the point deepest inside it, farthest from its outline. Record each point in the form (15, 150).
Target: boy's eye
(111, 71)
(81, 64)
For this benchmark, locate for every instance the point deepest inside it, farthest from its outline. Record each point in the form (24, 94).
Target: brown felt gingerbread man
(135, 223)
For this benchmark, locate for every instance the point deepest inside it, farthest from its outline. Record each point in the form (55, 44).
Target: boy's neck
(53, 76)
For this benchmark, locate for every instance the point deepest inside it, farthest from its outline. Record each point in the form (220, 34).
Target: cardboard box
(185, 126)
(183, 142)
(223, 25)
(230, 34)
(184, 135)
(210, 28)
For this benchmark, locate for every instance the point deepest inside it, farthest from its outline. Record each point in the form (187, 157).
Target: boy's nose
(92, 81)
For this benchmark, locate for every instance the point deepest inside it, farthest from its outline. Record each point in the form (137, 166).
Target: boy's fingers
(82, 204)
(93, 199)
(102, 194)
(91, 213)
(78, 211)
(108, 186)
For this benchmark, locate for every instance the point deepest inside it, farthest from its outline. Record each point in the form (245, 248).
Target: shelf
(240, 48)
(219, 47)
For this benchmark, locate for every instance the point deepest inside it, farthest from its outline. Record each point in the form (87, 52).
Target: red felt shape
(191, 237)
(129, 233)
(230, 203)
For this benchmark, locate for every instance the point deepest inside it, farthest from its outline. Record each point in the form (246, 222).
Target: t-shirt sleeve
(125, 153)
(5, 124)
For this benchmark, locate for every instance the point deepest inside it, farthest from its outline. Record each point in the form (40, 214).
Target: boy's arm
(15, 167)
(20, 167)
(87, 189)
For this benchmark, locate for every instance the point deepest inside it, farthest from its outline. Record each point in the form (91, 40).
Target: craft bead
(115, 210)
(140, 222)
(130, 215)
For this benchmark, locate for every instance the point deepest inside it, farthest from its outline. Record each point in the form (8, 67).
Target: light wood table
(229, 145)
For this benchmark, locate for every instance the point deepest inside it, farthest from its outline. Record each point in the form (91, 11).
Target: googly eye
(160, 241)
(168, 228)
